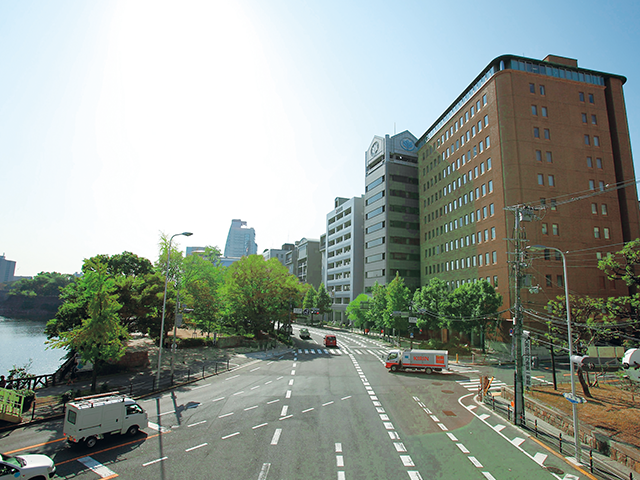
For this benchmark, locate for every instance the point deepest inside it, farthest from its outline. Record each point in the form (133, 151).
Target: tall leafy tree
(323, 300)
(398, 296)
(624, 264)
(378, 306)
(258, 293)
(43, 284)
(101, 336)
(356, 313)
(472, 306)
(310, 298)
(432, 299)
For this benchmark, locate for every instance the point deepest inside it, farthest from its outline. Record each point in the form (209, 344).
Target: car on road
(330, 341)
(26, 466)
(304, 333)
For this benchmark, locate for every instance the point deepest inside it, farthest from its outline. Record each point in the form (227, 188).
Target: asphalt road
(312, 413)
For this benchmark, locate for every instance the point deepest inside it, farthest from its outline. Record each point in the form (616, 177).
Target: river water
(21, 342)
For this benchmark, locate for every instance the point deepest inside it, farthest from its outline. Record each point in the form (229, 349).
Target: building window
(547, 134)
(491, 209)
(560, 281)
(594, 208)
(589, 162)
(486, 258)
(486, 120)
(484, 212)
(596, 232)
(581, 96)
(601, 185)
(534, 110)
(484, 99)
(553, 204)
(596, 141)
(376, 227)
(536, 132)
(488, 164)
(591, 99)
(584, 117)
(605, 232)
(594, 120)
(554, 229)
(549, 157)
(603, 209)
(547, 255)
(545, 229)
(494, 256)
(487, 142)
(541, 179)
(599, 163)
(490, 186)
(532, 88)
(587, 141)
(542, 90)
(552, 181)
(545, 113)
(549, 281)
(539, 155)
(493, 233)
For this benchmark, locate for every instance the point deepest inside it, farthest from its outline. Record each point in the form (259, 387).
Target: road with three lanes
(311, 413)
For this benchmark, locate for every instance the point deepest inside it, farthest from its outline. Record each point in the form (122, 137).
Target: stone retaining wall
(597, 439)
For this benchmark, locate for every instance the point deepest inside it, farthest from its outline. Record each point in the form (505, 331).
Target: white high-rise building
(241, 241)
(344, 253)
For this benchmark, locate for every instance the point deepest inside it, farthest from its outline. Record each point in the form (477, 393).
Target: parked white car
(26, 466)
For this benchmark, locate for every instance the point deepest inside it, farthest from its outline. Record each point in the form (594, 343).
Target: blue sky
(123, 119)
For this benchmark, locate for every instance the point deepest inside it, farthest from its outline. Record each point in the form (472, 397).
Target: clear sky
(123, 119)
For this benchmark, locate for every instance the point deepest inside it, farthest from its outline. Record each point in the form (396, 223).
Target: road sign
(413, 319)
(574, 398)
(396, 313)
(297, 310)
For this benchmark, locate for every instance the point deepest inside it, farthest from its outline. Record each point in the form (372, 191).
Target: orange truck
(426, 361)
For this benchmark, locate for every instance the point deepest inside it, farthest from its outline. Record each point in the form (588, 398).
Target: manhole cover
(555, 470)
(448, 413)
(447, 391)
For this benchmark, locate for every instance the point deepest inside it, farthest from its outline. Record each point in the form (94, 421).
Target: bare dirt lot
(611, 409)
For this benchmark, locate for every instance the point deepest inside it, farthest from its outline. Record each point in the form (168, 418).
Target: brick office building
(539, 133)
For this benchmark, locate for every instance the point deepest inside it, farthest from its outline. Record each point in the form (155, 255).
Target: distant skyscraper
(7, 269)
(241, 241)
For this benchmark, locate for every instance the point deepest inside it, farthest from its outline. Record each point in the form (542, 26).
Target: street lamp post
(164, 305)
(576, 435)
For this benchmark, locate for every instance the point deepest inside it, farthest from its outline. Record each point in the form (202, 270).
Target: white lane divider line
(257, 386)
(443, 427)
(225, 415)
(499, 428)
(475, 461)
(166, 413)
(276, 436)
(413, 475)
(217, 399)
(400, 448)
(346, 398)
(328, 403)
(200, 386)
(230, 435)
(462, 448)
(267, 383)
(158, 428)
(196, 447)
(307, 410)
(231, 377)
(273, 401)
(338, 447)
(97, 467)
(197, 423)
(517, 441)
(250, 408)
(452, 436)
(339, 461)
(254, 369)
(488, 476)
(539, 458)
(238, 393)
(259, 426)
(154, 461)
(341, 476)
(394, 435)
(291, 382)
(288, 395)
(285, 409)
(406, 461)
(264, 471)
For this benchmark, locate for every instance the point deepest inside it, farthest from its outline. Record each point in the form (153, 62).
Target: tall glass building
(241, 240)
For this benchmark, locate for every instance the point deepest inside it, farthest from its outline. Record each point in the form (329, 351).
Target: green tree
(259, 293)
(378, 306)
(310, 298)
(203, 280)
(431, 301)
(472, 306)
(323, 300)
(45, 284)
(624, 268)
(356, 313)
(398, 295)
(100, 337)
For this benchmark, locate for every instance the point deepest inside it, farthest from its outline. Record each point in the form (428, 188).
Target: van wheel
(133, 430)
(394, 368)
(428, 371)
(90, 442)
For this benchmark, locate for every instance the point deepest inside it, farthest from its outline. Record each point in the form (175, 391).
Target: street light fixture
(164, 304)
(576, 435)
